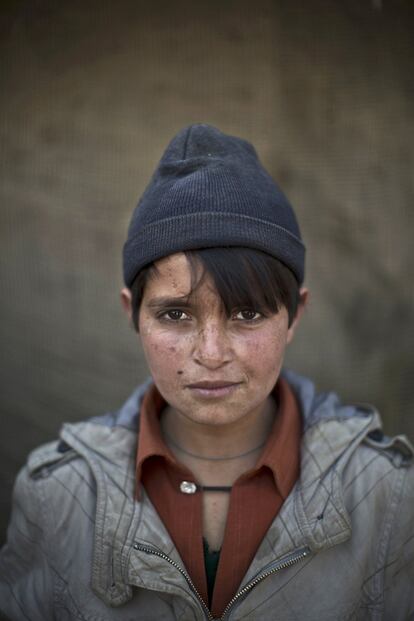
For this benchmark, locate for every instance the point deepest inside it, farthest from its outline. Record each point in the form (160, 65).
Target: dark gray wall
(90, 94)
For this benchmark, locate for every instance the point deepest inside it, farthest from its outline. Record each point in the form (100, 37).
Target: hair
(243, 277)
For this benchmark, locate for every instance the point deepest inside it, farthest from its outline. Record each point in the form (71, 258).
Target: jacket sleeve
(399, 565)
(26, 578)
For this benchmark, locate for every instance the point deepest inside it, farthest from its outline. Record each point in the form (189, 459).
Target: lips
(212, 385)
(213, 390)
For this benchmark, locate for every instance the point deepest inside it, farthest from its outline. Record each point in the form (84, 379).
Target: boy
(224, 488)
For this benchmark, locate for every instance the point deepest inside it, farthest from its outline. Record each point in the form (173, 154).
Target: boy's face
(210, 368)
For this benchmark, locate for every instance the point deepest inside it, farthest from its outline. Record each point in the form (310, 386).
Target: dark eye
(247, 314)
(175, 315)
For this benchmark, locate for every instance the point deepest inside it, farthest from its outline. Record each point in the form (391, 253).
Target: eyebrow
(166, 301)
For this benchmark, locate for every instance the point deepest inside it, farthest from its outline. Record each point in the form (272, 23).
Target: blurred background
(91, 93)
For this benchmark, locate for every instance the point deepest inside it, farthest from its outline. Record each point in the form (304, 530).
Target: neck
(216, 443)
(184, 451)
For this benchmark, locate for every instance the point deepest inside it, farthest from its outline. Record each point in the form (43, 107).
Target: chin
(216, 417)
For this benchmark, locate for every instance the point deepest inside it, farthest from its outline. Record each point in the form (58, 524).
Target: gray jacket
(342, 547)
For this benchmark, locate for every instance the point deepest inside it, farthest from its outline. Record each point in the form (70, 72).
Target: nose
(212, 348)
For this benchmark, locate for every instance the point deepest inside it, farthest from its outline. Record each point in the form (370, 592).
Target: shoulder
(62, 454)
(348, 440)
(68, 470)
(52, 482)
(371, 464)
(337, 427)
(379, 471)
(378, 453)
(44, 459)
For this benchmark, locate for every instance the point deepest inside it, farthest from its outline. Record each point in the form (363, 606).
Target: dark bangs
(243, 277)
(247, 278)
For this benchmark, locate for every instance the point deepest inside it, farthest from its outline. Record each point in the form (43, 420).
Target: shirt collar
(281, 453)
(150, 441)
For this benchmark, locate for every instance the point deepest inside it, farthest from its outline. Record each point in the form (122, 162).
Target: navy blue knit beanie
(210, 190)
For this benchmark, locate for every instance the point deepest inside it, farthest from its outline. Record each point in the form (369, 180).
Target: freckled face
(210, 368)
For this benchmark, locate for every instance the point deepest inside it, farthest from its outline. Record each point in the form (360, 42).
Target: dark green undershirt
(211, 560)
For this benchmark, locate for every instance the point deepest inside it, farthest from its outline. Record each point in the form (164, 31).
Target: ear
(304, 300)
(126, 301)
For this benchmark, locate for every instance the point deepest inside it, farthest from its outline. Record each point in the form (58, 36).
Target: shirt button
(187, 487)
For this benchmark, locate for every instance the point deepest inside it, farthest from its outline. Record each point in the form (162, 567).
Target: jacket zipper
(277, 566)
(283, 563)
(148, 550)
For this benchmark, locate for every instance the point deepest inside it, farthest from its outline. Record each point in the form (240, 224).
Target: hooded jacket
(80, 547)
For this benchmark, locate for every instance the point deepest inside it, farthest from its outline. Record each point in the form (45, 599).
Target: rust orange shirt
(255, 500)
